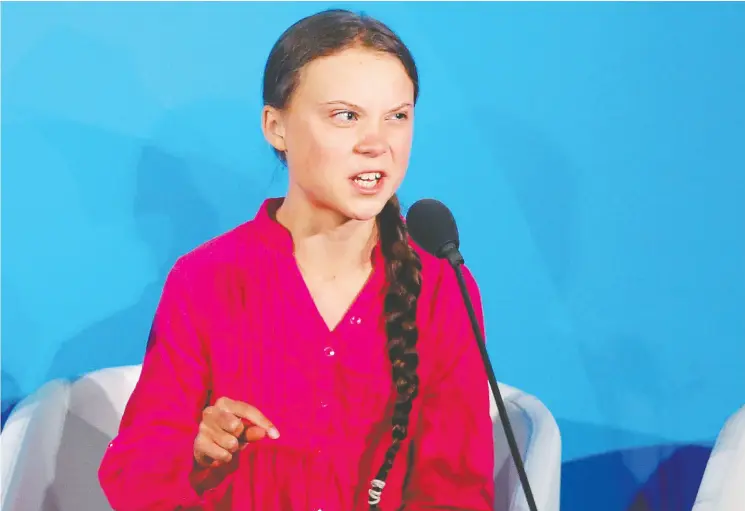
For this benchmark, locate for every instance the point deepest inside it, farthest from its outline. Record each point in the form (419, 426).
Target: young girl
(314, 358)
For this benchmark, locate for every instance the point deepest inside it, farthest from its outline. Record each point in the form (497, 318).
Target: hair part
(324, 34)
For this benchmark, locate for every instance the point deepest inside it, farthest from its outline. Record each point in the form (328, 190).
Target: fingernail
(273, 433)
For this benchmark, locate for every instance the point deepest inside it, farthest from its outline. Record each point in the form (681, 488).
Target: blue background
(593, 154)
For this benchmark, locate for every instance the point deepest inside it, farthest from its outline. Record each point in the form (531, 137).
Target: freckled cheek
(301, 144)
(322, 141)
(319, 156)
(401, 149)
(333, 145)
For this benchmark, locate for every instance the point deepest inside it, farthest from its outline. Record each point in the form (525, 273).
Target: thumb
(253, 434)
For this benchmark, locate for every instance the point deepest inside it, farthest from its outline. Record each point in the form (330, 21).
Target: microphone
(432, 226)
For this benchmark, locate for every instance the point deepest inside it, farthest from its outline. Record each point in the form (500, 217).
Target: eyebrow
(405, 104)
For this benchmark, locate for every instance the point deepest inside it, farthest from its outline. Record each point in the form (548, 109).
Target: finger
(206, 452)
(250, 413)
(227, 421)
(253, 434)
(224, 439)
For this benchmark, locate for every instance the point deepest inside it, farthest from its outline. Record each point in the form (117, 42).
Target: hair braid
(404, 281)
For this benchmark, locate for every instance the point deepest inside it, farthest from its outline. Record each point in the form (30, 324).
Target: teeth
(368, 176)
(368, 179)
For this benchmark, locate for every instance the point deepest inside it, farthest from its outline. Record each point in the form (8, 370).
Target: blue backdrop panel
(592, 153)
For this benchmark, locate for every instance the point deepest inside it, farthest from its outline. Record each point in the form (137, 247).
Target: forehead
(360, 76)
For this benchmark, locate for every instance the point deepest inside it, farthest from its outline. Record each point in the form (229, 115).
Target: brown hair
(324, 34)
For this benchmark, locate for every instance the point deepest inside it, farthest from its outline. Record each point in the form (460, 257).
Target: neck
(325, 241)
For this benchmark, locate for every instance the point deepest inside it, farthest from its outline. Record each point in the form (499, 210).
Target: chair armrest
(539, 439)
(722, 486)
(30, 441)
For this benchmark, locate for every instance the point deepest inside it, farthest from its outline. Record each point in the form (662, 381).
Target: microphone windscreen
(432, 226)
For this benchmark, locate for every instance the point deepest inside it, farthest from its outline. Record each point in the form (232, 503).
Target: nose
(371, 144)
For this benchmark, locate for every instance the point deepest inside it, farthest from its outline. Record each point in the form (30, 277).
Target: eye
(345, 116)
(400, 116)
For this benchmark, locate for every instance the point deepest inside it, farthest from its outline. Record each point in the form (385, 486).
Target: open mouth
(368, 180)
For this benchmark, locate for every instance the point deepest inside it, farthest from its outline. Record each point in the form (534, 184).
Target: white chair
(539, 442)
(722, 487)
(55, 441)
(33, 427)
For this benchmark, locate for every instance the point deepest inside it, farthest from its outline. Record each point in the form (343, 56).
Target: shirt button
(355, 320)
(324, 404)
(329, 352)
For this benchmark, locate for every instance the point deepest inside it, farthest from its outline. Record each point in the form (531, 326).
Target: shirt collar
(280, 239)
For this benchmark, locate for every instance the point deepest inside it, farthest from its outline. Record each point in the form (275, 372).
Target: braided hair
(404, 276)
(323, 34)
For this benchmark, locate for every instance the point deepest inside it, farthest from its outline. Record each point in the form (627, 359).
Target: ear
(273, 127)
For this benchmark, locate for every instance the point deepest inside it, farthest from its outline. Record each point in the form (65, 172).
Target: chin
(365, 209)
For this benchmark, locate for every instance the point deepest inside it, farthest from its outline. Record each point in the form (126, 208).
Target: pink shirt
(236, 319)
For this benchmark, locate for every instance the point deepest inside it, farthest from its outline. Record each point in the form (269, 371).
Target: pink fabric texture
(235, 319)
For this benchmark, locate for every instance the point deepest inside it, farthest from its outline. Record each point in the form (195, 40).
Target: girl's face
(347, 131)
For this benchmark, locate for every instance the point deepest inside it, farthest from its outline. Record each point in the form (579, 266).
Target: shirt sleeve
(453, 446)
(150, 465)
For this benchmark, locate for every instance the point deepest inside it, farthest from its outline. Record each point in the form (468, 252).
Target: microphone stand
(452, 254)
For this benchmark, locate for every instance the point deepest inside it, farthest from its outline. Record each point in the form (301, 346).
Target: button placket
(324, 408)
(325, 423)
(326, 403)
